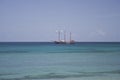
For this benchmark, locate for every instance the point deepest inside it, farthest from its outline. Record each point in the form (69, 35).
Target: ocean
(49, 61)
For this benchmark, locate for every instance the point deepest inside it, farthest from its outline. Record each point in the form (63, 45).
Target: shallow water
(49, 61)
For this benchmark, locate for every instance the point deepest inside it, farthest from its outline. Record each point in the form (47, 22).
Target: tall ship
(64, 41)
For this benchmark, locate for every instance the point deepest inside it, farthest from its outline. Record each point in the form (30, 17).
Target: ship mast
(70, 36)
(59, 36)
(63, 40)
(64, 36)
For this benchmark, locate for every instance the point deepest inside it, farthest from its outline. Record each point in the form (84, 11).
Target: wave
(62, 76)
(85, 51)
(5, 74)
(61, 51)
(14, 51)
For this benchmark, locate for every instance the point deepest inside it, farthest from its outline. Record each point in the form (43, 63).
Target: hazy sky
(38, 20)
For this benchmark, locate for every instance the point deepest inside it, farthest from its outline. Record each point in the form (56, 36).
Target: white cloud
(98, 33)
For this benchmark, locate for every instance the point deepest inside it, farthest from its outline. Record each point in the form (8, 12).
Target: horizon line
(52, 42)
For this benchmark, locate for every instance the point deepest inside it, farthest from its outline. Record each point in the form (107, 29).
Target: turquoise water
(46, 61)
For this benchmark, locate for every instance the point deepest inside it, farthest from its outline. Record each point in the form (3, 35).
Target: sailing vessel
(71, 41)
(63, 41)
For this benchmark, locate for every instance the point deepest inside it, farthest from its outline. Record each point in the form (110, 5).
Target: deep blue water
(44, 60)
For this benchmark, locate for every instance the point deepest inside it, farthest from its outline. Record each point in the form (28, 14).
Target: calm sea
(49, 61)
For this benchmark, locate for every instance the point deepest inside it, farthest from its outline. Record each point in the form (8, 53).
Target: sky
(38, 20)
